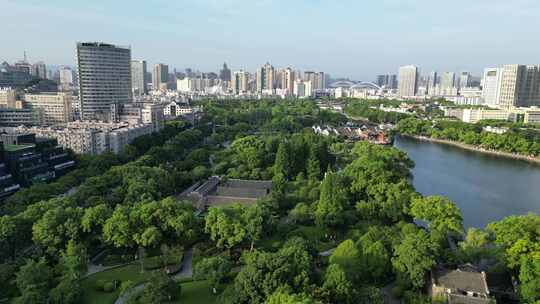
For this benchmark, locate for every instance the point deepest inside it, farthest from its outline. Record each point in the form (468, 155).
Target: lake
(485, 187)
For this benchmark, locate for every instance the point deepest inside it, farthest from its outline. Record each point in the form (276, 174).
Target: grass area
(196, 292)
(92, 295)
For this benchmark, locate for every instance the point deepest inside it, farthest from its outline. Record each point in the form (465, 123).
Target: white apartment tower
(408, 81)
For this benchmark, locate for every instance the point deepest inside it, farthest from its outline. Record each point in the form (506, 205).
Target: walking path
(185, 273)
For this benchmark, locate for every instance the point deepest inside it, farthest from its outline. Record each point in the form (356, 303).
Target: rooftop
(466, 278)
(13, 148)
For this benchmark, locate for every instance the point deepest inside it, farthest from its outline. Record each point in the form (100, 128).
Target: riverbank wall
(529, 159)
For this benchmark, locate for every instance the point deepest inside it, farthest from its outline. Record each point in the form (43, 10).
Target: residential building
(302, 89)
(408, 81)
(20, 117)
(7, 98)
(463, 285)
(432, 83)
(104, 75)
(265, 79)
(240, 82)
(55, 107)
(142, 113)
(138, 77)
(316, 78)
(91, 137)
(160, 76)
(287, 78)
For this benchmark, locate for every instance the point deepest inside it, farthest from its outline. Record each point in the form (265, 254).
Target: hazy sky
(355, 38)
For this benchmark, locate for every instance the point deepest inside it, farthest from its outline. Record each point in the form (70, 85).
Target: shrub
(109, 286)
(100, 284)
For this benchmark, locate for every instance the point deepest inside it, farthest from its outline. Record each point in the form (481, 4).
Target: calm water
(485, 187)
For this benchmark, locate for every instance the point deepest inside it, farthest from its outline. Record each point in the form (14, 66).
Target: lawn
(196, 292)
(129, 272)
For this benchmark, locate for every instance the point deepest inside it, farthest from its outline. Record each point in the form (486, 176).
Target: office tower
(225, 73)
(138, 77)
(511, 86)
(55, 108)
(392, 82)
(240, 82)
(448, 80)
(66, 77)
(160, 76)
(408, 81)
(104, 75)
(287, 79)
(265, 78)
(465, 80)
(23, 65)
(491, 86)
(39, 70)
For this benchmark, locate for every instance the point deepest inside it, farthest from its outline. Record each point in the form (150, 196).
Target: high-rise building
(265, 78)
(511, 86)
(240, 82)
(317, 79)
(448, 80)
(302, 88)
(408, 81)
(104, 75)
(138, 77)
(388, 81)
(7, 98)
(465, 80)
(39, 70)
(491, 86)
(160, 76)
(382, 80)
(66, 77)
(287, 79)
(55, 107)
(225, 73)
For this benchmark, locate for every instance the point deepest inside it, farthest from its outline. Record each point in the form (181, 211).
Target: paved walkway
(185, 273)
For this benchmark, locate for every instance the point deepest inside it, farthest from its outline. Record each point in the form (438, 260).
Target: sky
(344, 38)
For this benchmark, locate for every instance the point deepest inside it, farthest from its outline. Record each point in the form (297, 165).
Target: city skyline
(352, 40)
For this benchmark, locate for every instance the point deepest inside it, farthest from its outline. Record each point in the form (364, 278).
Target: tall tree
(282, 164)
(414, 256)
(332, 203)
(213, 269)
(441, 214)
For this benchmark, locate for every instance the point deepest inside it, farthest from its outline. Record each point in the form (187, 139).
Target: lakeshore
(532, 160)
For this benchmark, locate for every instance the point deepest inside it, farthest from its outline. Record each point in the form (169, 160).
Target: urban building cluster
(26, 159)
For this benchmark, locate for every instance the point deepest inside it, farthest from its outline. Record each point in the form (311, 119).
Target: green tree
(34, 280)
(282, 164)
(159, 289)
(414, 256)
(74, 261)
(529, 276)
(213, 269)
(283, 297)
(66, 292)
(441, 214)
(338, 286)
(332, 203)
(57, 227)
(226, 226)
(347, 256)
